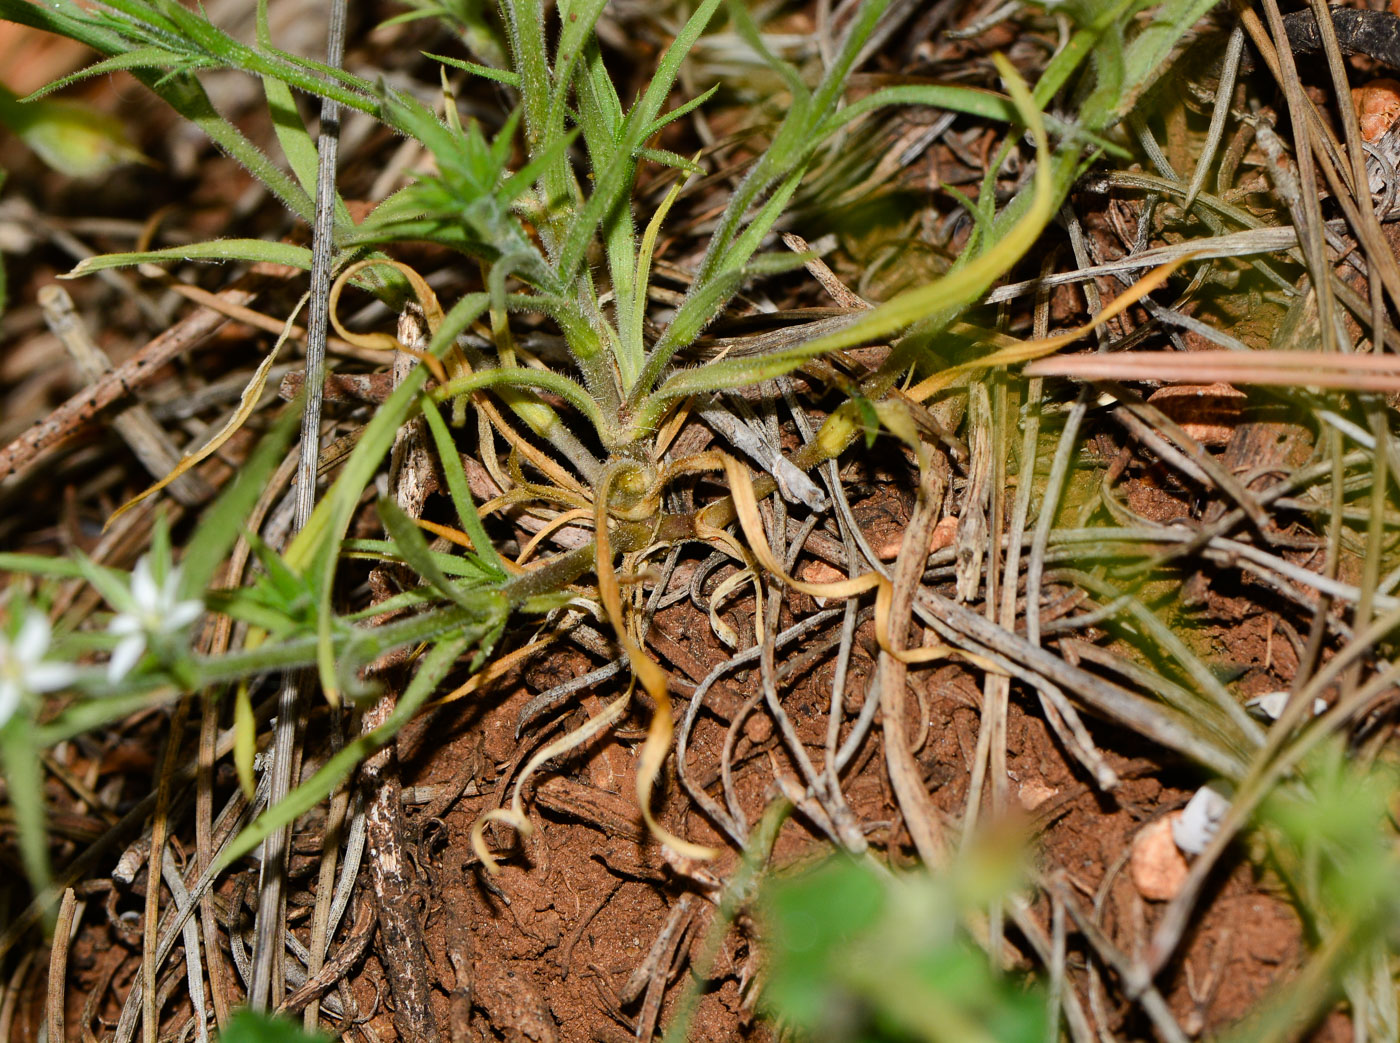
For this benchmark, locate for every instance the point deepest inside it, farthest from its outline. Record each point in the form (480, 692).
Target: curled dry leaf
(1377, 106)
(1206, 412)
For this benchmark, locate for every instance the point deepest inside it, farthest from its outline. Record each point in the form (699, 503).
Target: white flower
(22, 668)
(156, 612)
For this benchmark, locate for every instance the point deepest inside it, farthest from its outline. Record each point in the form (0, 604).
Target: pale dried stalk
(1376, 373)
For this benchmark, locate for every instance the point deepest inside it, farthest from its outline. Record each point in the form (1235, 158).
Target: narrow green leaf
(220, 524)
(113, 585)
(296, 143)
(684, 109)
(24, 783)
(41, 565)
(1145, 57)
(245, 740)
(248, 1026)
(525, 25)
(413, 548)
(140, 58)
(510, 79)
(435, 665)
(867, 17)
(249, 250)
(745, 26)
(463, 566)
(518, 183)
(450, 460)
(282, 580)
(667, 158)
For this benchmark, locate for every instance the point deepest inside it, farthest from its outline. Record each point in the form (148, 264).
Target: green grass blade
(412, 548)
(451, 462)
(219, 527)
(141, 58)
(41, 565)
(296, 142)
(24, 785)
(661, 122)
(435, 666)
(510, 79)
(218, 250)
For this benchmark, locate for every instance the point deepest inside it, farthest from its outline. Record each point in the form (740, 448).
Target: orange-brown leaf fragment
(1157, 866)
(1206, 412)
(1377, 106)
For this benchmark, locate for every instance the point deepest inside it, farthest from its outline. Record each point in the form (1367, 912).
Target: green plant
(251, 1027)
(556, 237)
(545, 208)
(857, 953)
(71, 138)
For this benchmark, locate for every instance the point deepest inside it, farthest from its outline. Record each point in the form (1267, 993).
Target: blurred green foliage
(252, 1027)
(858, 955)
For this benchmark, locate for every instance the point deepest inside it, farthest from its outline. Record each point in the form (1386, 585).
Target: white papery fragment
(1270, 706)
(1200, 820)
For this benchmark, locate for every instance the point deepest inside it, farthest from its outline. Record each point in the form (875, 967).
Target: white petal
(170, 589)
(9, 700)
(183, 614)
(143, 585)
(49, 677)
(125, 656)
(1200, 820)
(33, 639)
(124, 624)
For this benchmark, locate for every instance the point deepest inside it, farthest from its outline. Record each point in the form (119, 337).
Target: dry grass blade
(1299, 369)
(1231, 244)
(920, 816)
(58, 964)
(267, 984)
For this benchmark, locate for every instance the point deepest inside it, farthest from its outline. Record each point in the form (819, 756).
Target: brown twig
(159, 833)
(136, 426)
(392, 873)
(65, 421)
(566, 954)
(58, 964)
(334, 970)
